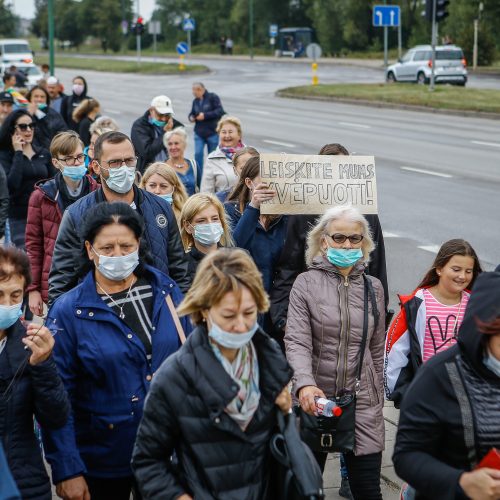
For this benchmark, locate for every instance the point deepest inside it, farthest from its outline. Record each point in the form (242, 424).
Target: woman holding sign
(261, 235)
(449, 424)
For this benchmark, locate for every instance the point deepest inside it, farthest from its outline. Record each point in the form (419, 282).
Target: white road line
(111, 112)
(258, 112)
(390, 235)
(430, 248)
(427, 172)
(481, 143)
(277, 143)
(358, 125)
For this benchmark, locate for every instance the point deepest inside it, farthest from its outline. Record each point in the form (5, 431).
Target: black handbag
(337, 434)
(294, 473)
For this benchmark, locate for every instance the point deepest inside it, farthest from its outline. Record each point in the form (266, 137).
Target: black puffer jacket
(48, 124)
(184, 413)
(39, 392)
(4, 201)
(439, 437)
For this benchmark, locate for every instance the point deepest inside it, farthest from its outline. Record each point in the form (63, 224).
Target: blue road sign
(182, 48)
(386, 15)
(273, 30)
(189, 24)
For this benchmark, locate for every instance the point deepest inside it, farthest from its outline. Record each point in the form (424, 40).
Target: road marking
(427, 172)
(390, 235)
(430, 248)
(111, 112)
(277, 143)
(481, 143)
(258, 112)
(358, 125)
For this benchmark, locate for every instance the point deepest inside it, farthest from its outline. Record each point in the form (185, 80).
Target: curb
(388, 105)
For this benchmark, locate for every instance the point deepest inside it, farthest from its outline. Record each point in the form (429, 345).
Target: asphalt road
(438, 176)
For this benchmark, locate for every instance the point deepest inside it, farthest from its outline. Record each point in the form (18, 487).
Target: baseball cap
(52, 80)
(6, 97)
(162, 104)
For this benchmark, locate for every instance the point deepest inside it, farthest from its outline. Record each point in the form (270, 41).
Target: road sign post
(313, 51)
(154, 28)
(182, 49)
(434, 43)
(386, 16)
(188, 25)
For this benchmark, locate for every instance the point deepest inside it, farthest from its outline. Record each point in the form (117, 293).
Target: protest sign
(310, 184)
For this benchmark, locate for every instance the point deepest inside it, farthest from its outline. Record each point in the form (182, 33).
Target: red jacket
(45, 211)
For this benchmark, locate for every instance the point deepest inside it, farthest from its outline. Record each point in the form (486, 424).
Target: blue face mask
(158, 123)
(9, 315)
(169, 198)
(208, 234)
(344, 257)
(120, 179)
(231, 340)
(42, 106)
(74, 173)
(88, 159)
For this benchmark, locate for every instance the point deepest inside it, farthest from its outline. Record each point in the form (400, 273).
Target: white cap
(162, 104)
(52, 80)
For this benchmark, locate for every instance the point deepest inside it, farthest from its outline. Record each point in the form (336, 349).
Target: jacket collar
(14, 350)
(100, 197)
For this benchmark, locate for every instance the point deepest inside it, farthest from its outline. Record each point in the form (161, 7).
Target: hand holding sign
(261, 193)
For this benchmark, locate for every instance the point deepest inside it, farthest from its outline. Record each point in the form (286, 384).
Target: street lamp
(50, 15)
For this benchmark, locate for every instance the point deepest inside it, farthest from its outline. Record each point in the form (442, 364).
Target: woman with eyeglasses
(46, 207)
(25, 165)
(115, 330)
(324, 338)
(204, 228)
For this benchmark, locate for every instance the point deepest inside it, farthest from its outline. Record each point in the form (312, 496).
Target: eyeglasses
(340, 238)
(129, 162)
(25, 126)
(73, 160)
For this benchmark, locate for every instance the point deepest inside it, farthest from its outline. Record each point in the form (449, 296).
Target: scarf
(67, 198)
(244, 370)
(229, 152)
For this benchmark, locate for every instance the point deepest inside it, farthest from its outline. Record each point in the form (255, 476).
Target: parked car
(416, 66)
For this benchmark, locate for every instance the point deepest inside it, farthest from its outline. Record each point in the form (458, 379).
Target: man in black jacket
(148, 130)
(292, 261)
(206, 112)
(6, 105)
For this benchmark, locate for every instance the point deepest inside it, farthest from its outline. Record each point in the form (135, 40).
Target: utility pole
(250, 27)
(386, 44)
(434, 42)
(138, 35)
(50, 15)
(476, 36)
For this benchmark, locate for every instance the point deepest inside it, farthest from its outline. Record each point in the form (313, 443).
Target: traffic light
(442, 10)
(427, 12)
(139, 26)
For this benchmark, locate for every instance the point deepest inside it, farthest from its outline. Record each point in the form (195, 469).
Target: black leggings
(364, 474)
(112, 489)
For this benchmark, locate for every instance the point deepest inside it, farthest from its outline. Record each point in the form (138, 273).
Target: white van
(13, 51)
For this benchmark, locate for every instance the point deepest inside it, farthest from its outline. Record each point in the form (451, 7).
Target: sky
(26, 8)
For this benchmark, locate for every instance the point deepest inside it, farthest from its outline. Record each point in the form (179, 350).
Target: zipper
(343, 331)
(346, 284)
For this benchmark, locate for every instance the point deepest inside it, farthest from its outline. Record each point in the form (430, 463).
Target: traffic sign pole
(189, 42)
(434, 42)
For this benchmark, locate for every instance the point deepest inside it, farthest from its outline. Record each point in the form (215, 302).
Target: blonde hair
(333, 214)
(84, 108)
(194, 205)
(232, 120)
(219, 273)
(65, 144)
(177, 131)
(168, 173)
(103, 124)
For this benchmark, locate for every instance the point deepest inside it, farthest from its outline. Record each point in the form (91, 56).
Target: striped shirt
(137, 309)
(441, 323)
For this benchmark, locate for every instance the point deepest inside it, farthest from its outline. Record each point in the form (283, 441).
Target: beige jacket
(323, 336)
(218, 173)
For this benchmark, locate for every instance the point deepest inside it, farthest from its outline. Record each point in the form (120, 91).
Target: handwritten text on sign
(310, 184)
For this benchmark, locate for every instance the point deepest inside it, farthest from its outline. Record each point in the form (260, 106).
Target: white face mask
(120, 179)
(491, 362)
(117, 268)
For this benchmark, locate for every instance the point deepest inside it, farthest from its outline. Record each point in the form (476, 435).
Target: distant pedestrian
(30, 386)
(71, 102)
(148, 130)
(24, 164)
(115, 163)
(217, 395)
(118, 327)
(229, 46)
(218, 173)
(188, 170)
(85, 114)
(222, 45)
(21, 77)
(326, 338)
(449, 419)
(204, 228)
(48, 121)
(206, 112)
(430, 317)
(9, 81)
(45, 71)
(54, 88)
(6, 105)
(162, 180)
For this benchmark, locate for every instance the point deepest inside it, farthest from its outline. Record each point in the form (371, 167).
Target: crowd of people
(176, 317)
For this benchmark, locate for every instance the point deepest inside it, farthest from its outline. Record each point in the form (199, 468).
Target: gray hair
(333, 214)
(180, 131)
(103, 124)
(199, 84)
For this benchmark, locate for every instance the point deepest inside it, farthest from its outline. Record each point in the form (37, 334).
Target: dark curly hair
(14, 262)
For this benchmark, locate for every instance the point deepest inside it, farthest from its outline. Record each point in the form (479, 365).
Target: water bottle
(327, 408)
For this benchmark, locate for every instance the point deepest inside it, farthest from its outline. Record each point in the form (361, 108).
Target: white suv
(416, 66)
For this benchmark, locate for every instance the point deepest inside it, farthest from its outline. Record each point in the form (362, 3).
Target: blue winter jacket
(161, 235)
(104, 367)
(264, 246)
(211, 107)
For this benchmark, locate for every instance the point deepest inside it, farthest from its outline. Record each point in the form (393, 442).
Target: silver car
(416, 66)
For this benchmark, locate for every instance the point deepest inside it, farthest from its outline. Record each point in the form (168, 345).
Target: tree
(9, 22)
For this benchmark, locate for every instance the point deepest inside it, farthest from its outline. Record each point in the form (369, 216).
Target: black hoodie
(431, 451)
(70, 103)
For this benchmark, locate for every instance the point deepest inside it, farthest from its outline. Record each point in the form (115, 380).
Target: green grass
(118, 66)
(444, 96)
